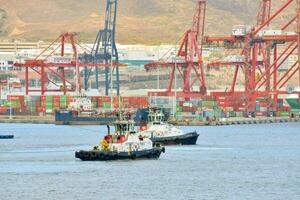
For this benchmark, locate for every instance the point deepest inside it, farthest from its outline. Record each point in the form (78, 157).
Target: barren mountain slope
(139, 21)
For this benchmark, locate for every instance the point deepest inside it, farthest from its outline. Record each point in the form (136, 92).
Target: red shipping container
(40, 110)
(260, 114)
(70, 99)
(3, 109)
(280, 101)
(241, 109)
(107, 99)
(209, 98)
(56, 99)
(284, 109)
(15, 98)
(181, 103)
(94, 99)
(43, 98)
(100, 103)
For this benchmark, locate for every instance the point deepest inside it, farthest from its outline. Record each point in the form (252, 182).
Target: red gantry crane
(190, 64)
(53, 61)
(261, 75)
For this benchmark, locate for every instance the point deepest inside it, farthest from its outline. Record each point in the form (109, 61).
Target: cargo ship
(74, 117)
(81, 113)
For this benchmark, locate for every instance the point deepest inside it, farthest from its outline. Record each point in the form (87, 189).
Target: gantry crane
(105, 51)
(190, 64)
(53, 61)
(255, 44)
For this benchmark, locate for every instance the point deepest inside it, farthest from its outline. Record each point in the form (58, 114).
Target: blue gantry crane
(105, 51)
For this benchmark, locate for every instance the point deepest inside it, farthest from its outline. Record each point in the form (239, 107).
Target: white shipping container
(240, 30)
(187, 104)
(270, 33)
(263, 109)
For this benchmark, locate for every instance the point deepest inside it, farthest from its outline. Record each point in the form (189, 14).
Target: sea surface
(229, 162)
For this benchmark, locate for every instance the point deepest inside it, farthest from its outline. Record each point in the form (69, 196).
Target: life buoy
(148, 155)
(101, 156)
(86, 155)
(97, 156)
(159, 133)
(114, 156)
(107, 157)
(93, 155)
(133, 156)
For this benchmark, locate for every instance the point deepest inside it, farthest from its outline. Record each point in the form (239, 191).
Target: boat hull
(6, 136)
(186, 139)
(96, 155)
(67, 117)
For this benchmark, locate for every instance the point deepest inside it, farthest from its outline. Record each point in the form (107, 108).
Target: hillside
(139, 21)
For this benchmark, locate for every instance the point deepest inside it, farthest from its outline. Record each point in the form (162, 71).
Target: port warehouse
(204, 106)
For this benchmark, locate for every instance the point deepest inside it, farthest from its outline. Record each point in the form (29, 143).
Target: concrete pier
(236, 121)
(223, 122)
(27, 119)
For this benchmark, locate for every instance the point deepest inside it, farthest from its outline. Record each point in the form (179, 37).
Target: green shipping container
(32, 109)
(107, 105)
(232, 114)
(179, 109)
(12, 104)
(294, 103)
(209, 103)
(63, 101)
(49, 106)
(284, 114)
(94, 104)
(200, 117)
(178, 114)
(49, 99)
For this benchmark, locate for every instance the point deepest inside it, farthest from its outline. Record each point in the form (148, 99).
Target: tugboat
(125, 143)
(6, 136)
(159, 131)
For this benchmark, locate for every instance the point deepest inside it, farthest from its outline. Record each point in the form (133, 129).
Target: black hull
(96, 155)
(186, 139)
(6, 136)
(67, 117)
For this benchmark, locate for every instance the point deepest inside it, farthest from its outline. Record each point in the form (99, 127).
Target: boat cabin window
(124, 127)
(156, 119)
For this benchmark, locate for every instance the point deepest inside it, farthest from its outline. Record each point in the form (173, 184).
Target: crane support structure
(188, 61)
(53, 62)
(263, 54)
(105, 51)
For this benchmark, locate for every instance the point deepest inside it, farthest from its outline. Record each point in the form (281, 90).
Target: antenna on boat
(108, 129)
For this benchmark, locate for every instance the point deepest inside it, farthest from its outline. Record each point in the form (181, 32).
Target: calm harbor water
(228, 162)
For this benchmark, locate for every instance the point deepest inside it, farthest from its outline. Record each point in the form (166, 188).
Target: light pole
(111, 78)
(10, 106)
(158, 83)
(175, 88)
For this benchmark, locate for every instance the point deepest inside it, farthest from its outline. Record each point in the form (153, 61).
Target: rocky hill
(139, 21)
